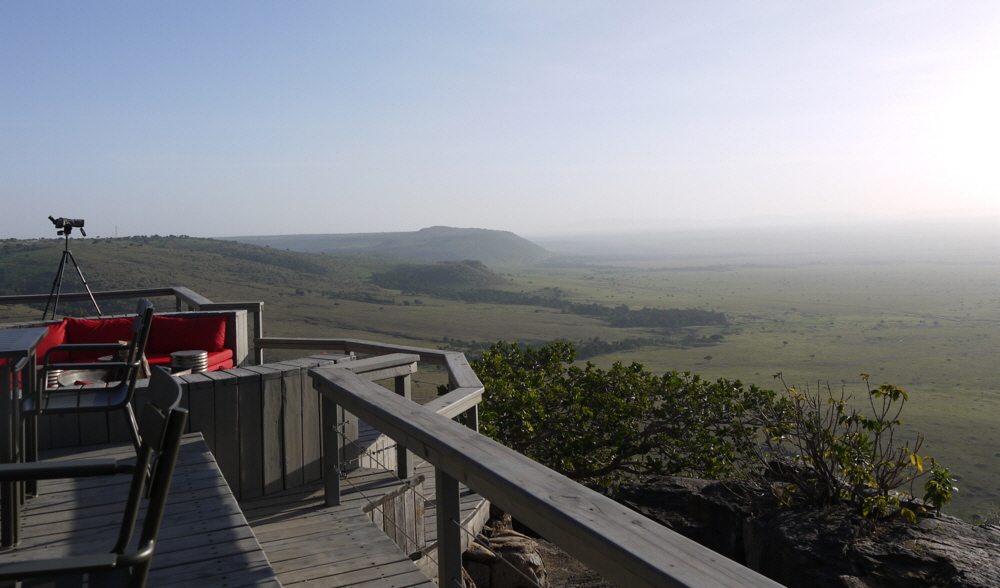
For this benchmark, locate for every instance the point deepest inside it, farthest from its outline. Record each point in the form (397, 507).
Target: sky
(230, 118)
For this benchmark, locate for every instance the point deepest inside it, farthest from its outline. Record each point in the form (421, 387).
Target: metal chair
(91, 399)
(161, 426)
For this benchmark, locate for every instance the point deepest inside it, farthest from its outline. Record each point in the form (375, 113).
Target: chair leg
(30, 445)
(133, 426)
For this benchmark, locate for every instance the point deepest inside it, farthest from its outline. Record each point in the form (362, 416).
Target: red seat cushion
(96, 331)
(169, 334)
(56, 336)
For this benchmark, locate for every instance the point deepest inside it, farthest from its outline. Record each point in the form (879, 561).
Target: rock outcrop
(503, 558)
(828, 548)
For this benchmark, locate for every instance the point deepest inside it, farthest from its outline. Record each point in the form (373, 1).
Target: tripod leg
(56, 287)
(84, 280)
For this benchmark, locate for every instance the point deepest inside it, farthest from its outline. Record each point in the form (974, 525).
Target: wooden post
(331, 452)
(258, 332)
(251, 433)
(8, 492)
(271, 431)
(449, 536)
(227, 426)
(472, 418)
(404, 459)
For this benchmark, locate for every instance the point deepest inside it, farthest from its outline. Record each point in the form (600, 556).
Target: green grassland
(930, 328)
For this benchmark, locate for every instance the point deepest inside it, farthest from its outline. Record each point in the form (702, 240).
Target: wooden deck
(204, 540)
(285, 539)
(309, 544)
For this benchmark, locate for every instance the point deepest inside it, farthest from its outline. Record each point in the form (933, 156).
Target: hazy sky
(235, 118)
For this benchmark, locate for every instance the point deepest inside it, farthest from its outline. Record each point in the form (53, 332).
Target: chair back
(140, 330)
(161, 426)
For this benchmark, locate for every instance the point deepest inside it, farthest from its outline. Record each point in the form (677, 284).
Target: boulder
(822, 548)
(503, 558)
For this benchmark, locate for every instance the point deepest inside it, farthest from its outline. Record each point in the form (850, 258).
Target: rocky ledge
(830, 548)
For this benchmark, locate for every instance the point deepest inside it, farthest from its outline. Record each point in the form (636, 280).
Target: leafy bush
(609, 425)
(624, 423)
(834, 454)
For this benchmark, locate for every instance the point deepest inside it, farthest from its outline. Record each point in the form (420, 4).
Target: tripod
(57, 283)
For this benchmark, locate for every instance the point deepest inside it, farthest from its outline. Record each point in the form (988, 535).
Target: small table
(15, 344)
(192, 361)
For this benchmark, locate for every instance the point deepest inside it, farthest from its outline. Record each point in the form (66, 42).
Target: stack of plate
(196, 361)
(52, 378)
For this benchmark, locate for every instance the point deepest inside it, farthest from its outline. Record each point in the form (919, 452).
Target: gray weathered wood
(271, 428)
(449, 533)
(204, 542)
(404, 459)
(291, 419)
(331, 449)
(312, 545)
(251, 433)
(201, 397)
(227, 426)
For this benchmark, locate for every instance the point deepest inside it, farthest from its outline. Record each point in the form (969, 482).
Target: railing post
(258, 332)
(472, 418)
(331, 451)
(449, 531)
(404, 460)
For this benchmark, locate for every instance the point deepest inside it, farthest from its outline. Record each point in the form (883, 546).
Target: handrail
(621, 545)
(467, 390)
(85, 297)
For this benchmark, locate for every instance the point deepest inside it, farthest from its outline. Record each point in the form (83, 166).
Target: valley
(932, 328)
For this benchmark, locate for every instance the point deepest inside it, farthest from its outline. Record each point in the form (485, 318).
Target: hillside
(443, 274)
(223, 269)
(493, 248)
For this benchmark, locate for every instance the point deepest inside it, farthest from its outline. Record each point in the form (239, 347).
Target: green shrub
(615, 424)
(625, 423)
(831, 453)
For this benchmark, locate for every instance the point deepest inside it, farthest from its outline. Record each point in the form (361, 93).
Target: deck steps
(310, 544)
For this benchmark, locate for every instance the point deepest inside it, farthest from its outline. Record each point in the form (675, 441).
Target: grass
(932, 329)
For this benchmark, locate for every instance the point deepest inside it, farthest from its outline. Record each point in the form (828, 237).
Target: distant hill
(451, 275)
(493, 248)
(225, 270)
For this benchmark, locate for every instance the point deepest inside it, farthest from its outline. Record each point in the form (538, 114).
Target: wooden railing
(186, 299)
(621, 545)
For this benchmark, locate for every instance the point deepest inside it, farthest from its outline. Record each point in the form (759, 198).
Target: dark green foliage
(624, 422)
(606, 425)
(445, 275)
(466, 281)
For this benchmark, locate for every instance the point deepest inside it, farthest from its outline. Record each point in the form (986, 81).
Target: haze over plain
(264, 118)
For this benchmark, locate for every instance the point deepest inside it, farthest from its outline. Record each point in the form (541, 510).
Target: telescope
(65, 225)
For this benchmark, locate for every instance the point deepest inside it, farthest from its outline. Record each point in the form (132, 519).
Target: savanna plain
(932, 328)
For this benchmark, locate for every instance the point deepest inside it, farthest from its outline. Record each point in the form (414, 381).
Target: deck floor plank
(286, 538)
(310, 544)
(204, 540)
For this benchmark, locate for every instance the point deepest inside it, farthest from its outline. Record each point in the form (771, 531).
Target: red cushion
(56, 336)
(221, 360)
(170, 333)
(97, 331)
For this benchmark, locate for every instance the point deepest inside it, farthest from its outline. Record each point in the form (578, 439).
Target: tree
(607, 425)
(623, 423)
